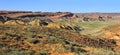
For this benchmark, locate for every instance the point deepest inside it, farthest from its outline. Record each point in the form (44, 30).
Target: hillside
(58, 33)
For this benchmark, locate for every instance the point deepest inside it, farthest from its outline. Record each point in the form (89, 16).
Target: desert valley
(59, 33)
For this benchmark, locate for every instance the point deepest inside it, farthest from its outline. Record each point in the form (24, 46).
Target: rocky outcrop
(5, 18)
(14, 22)
(33, 18)
(1, 23)
(29, 14)
(35, 23)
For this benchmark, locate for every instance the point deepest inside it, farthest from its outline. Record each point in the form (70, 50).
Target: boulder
(3, 18)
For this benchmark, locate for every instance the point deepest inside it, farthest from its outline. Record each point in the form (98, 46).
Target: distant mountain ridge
(57, 15)
(96, 15)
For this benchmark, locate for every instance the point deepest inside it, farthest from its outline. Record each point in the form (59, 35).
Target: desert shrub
(44, 53)
(16, 52)
(53, 40)
(32, 40)
(60, 48)
(6, 50)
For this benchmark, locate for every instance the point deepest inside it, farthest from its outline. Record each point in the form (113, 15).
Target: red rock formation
(57, 15)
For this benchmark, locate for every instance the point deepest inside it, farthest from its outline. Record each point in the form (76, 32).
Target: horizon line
(62, 11)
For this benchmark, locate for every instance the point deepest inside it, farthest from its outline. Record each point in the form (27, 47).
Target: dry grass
(36, 40)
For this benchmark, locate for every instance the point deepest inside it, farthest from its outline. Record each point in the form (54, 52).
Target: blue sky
(62, 5)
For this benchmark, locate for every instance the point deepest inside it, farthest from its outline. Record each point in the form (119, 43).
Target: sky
(75, 6)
